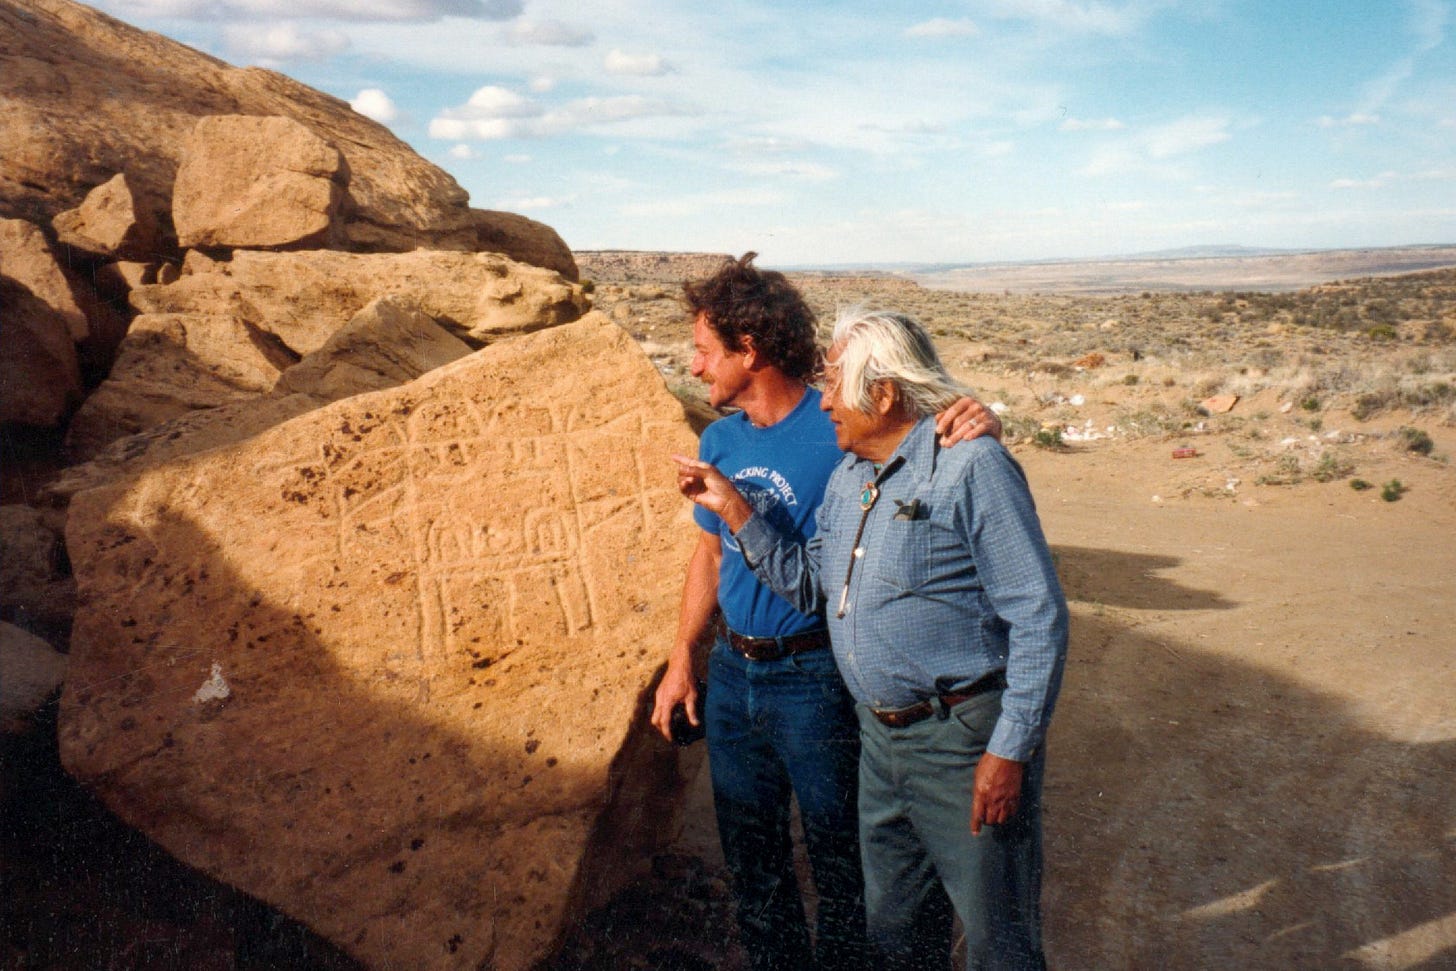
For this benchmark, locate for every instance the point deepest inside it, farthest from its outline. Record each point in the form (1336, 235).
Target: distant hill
(1190, 269)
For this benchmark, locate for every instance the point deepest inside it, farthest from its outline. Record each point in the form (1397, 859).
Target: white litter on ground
(215, 688)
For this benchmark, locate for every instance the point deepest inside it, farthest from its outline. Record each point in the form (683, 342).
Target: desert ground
(1251, 764)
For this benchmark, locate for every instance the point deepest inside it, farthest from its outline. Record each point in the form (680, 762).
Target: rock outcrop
(258, 183)
(669, 269)
(36, 590)
(227, 329)
(84, 97)
(40, 377)
(386, 665)
(113, 221)
(33, 672)
(389, 342)
(523, 240)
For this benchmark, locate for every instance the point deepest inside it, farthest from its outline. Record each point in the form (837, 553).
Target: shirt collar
(919, 450)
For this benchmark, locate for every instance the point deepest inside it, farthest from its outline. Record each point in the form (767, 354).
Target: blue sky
(821, 132)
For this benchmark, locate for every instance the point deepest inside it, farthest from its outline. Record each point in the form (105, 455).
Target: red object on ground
(1186, 452)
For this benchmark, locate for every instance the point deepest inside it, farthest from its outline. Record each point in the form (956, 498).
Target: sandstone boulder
(94, 328)
(386, 666)
(169, 365)
(33, 671)
(86, 96)
(40, 381)
(523, 240)
(26, 257)
(195, 431)
(113, 221)
(303, 298)
(36, 590)
(257, 183)
(389, 342)
(226, 329)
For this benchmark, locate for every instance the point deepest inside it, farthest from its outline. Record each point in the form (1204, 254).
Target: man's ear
(884, 397)
(750, 352)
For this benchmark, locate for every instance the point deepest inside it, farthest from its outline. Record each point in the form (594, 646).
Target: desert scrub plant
(1019, 428)
(1360, 485)
(1286, 471)
(1415, 440)
(1048, 437)
(1368, 404)
(1330, 467)
(1153, 420)
(1392, 490)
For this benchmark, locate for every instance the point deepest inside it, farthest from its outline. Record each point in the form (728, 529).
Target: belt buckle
(759, 648)
(769, 651)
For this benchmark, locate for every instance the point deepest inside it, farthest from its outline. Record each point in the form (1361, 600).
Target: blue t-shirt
(781, 470)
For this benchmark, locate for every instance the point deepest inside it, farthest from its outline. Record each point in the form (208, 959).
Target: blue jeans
(776, 728)
(923, 866)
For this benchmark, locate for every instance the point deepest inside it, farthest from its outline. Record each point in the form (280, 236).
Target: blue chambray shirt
(946, 591)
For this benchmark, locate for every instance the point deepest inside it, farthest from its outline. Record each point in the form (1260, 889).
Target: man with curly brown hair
(780, 724)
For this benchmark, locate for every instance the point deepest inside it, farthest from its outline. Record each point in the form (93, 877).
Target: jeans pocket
(975, 718)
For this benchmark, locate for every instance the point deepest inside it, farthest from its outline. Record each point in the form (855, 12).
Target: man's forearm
(699, 601)
(788, 568)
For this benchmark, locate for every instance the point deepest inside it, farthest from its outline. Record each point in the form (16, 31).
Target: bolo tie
(868, 496)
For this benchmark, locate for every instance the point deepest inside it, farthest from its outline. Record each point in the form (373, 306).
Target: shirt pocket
(909, 551)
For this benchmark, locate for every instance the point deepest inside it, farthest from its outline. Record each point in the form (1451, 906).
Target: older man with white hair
(949, 627)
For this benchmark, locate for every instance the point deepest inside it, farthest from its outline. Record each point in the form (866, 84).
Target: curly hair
(742, 301)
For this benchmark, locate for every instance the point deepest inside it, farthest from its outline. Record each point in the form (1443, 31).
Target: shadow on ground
(1204, 813)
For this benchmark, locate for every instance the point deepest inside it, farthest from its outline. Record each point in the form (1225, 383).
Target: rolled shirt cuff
(1015, 740)
(756, 538)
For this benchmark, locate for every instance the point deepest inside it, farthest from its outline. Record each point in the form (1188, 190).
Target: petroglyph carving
(403, 588)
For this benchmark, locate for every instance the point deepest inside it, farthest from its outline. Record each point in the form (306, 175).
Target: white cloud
(1069, 16)
(1349, 121)
(527, 203)
(374, 103)
(272, 45)
(696, 204)
(495, 113)
(1186, 135)
(492, 112)
(462, 151)
(1379, 182)
(766, 144)
(493, 101)
(586, 112)
(805, 171)
(359, 10)
(915, 127)
(640, 65)
(1091, 124)
(549, 33)
(943, 27)
(477, 129)
(1136, 152)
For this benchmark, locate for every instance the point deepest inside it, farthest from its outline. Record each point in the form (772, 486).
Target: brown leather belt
(918, 712)
(773, 648)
